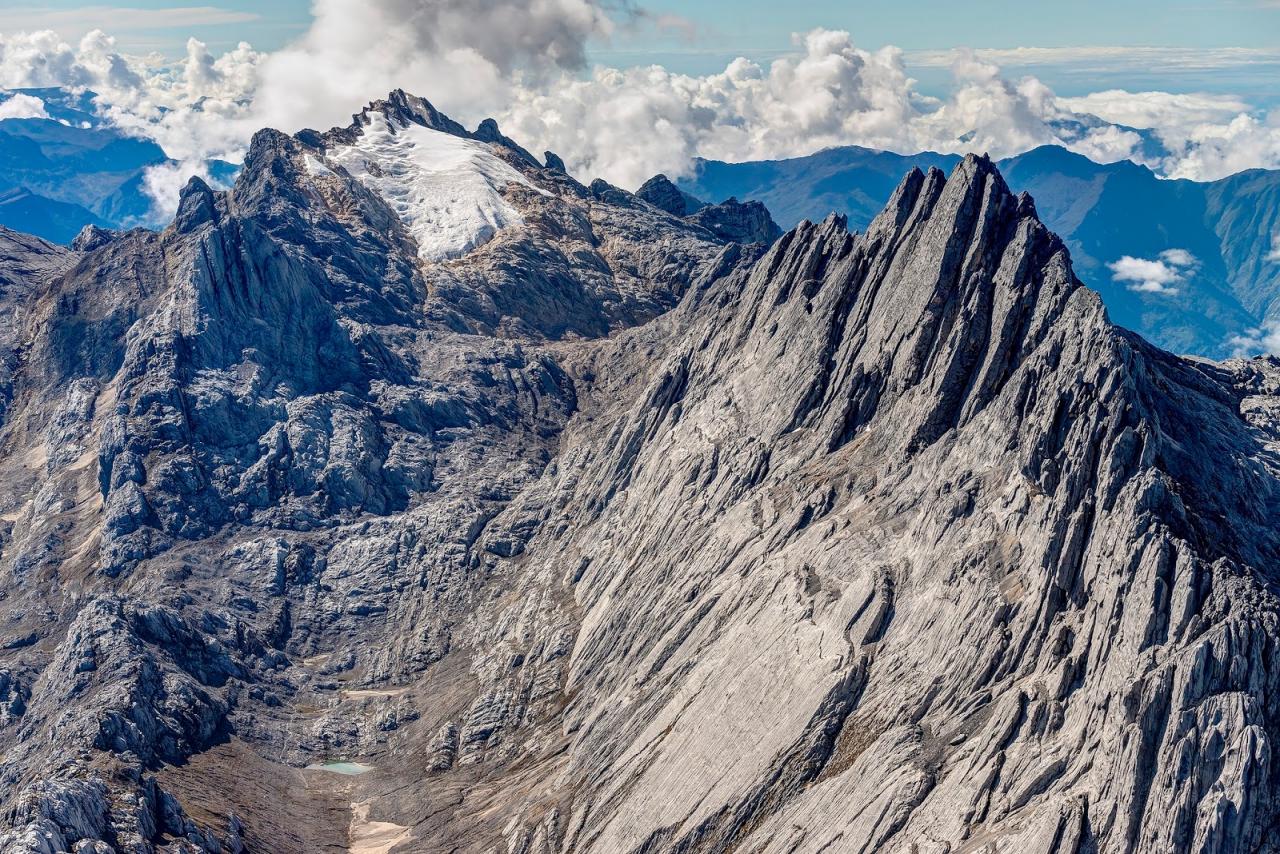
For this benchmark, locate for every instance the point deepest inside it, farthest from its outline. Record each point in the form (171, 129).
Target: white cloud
(195, 110)
(1108, 144)
(164, 182)
(466, 54)
(1218, 150)
(1251, 342)
(1274, 255)
(1157, 109)
(1112, 57)
(523, 63)
(1155, 276)
(22, 106)
(1179, 258)
(1206, 136)
(626, 125)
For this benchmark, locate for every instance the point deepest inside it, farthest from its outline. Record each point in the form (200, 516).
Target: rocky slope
(600, 529)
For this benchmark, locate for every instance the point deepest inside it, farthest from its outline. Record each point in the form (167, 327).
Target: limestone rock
(620, 530)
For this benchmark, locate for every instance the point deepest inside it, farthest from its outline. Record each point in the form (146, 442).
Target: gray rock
(737, 222)
(660, 192)
(664, 195)
(613, 534)
(554, 162)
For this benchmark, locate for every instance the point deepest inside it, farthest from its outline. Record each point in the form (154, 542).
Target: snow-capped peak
(445, 188)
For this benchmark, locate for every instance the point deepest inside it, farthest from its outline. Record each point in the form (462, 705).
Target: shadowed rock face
(661, 193)
(614, 535)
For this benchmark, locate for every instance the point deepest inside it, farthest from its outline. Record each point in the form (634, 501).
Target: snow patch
(446, 189)
(315, 167)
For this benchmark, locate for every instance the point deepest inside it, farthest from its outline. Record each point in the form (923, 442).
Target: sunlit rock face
(414, 496)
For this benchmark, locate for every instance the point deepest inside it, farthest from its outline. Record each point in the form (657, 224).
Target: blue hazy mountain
(70, 170)
(1102, 211)
(65, 172)
(58, 222)
(62, 105)
(850, 180)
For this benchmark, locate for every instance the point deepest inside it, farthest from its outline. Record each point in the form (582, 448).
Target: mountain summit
(1225, 283)
(414, 496)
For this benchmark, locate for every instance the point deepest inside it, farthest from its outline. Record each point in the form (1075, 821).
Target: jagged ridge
(880, 542)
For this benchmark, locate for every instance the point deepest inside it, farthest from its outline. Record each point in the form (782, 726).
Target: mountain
(56, 221)
(68, 107)
(852, 181)
(1104, 212)
(413, 496)
(71, 169)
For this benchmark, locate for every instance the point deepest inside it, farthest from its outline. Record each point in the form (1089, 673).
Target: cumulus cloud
(1160, 275)
(1179, 258)
(196, 110)
(626, 125)
(466, 54)
(164, 182)
(22, 106)
(1108, 144)
(1206, 136)
(1157, 109)
(1212, 150)
(1251, 342)
(526, 63)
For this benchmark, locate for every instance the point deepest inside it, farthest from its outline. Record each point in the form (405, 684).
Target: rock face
(738, 222)
(731, 220)
(661, 193)
(617, 533)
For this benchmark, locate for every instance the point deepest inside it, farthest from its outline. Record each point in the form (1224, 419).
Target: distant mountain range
(1229, 285)
(61, 173)
(1120, 221)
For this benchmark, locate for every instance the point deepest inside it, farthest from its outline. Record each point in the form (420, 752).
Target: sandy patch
(372, 692)
(373, 837)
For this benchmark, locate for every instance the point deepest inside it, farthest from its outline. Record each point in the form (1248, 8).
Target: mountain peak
(664, 195)
(938, 301)
(402, 108)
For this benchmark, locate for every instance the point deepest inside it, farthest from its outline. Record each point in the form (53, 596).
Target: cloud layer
(1264, 339)
(20, 106)
(1160, 275)
(526, 63)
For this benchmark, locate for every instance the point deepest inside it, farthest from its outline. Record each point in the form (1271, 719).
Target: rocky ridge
(620, 532)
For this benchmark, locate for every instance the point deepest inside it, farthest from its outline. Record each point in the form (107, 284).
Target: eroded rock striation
(619, 528)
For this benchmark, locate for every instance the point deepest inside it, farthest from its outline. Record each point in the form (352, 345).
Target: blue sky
(760, 27)
(700, 36)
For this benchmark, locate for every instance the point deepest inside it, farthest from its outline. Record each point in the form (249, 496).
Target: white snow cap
(446, 189)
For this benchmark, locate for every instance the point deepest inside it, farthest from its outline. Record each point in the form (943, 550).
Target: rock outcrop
(731, 220)
(661, 193)
(622, 530)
